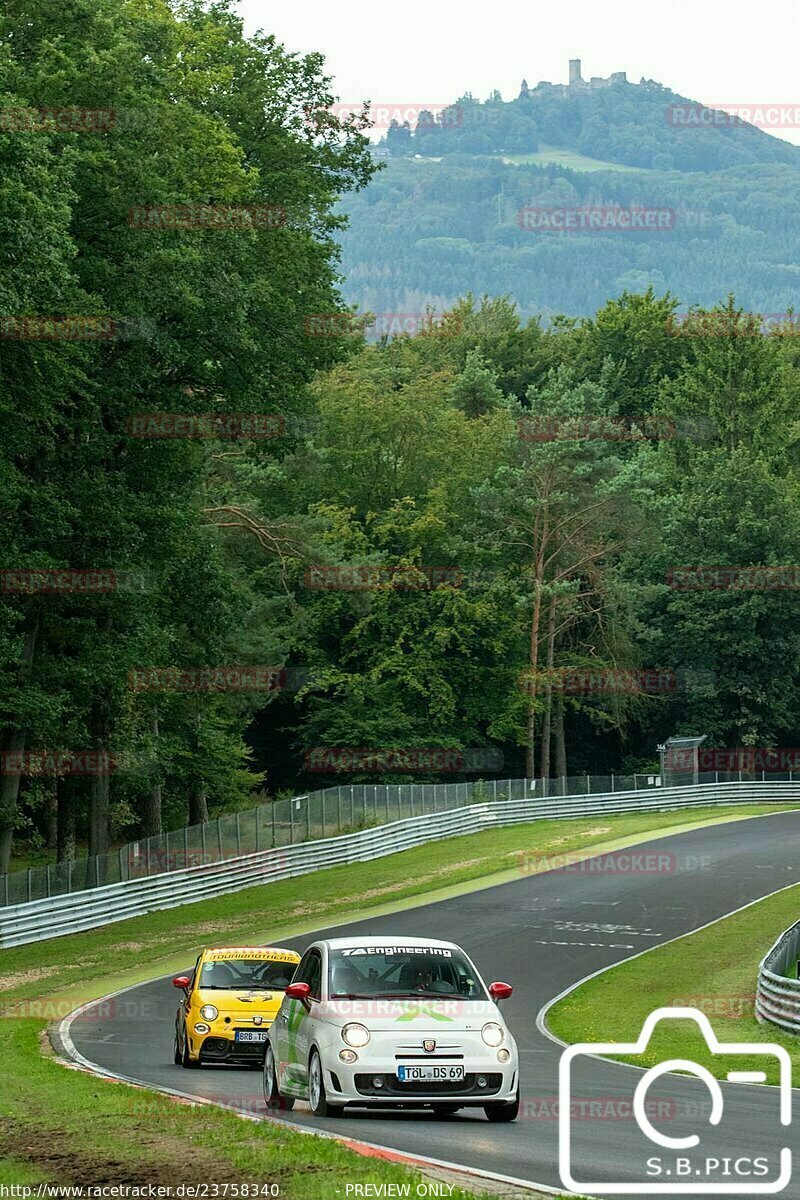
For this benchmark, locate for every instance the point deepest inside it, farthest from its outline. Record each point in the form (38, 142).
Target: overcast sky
(429, 54)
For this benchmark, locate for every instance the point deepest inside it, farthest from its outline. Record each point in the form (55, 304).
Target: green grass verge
(69, 1127)
(138, 948)
(713, 970)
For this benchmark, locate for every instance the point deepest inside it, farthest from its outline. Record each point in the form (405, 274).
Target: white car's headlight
(355, 1034)
(209, 1013)
(492, 1033)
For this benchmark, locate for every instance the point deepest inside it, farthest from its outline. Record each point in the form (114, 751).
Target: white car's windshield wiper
(418, 995)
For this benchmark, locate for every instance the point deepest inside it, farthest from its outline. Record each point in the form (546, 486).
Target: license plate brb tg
(431, 1073)
(250, 1035)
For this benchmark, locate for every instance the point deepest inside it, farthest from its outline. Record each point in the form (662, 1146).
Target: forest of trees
(442, 218)
(404, 544)
(641, 125)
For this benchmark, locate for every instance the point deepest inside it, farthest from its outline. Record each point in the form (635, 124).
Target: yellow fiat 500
(229, 1002)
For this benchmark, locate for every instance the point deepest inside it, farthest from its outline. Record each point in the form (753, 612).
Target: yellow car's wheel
(186, 1060)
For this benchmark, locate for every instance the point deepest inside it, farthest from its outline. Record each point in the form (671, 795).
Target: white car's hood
(413, 1015)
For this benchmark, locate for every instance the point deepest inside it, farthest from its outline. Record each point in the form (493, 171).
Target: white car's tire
(502, 1112)
(316, 1090)
(272, 1097)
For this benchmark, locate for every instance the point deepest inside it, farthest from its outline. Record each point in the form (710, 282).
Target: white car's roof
(389, 940)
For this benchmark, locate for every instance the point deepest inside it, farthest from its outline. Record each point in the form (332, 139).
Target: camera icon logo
(686, 1165)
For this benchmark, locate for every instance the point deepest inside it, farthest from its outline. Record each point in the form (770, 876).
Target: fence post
(338, 808)
(238, 835)
(273, 824)
(69, 878)
(219, 840)
(185, 846)
(308, 817)
(203, 841)
(48, 881)
(258, 829)
(121, 861)
(29, 883)
(613, 788)
(324, 830)
(97, 870)
(352, 807)
(5, 889)
(588, 784)
(291, 821)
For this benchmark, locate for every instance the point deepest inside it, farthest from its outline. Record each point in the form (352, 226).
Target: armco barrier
(344, 808)
(777, 993)
(77, 911)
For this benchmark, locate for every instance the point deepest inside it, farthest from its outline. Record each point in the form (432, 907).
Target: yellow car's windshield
(257, 973)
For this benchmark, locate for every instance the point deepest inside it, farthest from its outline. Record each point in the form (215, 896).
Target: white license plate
(431, 1073)
(250, 1035)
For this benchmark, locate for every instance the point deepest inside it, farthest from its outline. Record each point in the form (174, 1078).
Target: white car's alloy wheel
(316, 1090)
(272, 1097)
(315, 1082)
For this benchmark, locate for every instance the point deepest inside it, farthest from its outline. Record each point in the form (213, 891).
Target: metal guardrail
(777, 992)
(345, 808)
(78, 911)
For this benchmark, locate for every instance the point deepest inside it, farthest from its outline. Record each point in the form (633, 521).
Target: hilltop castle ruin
(576, 82)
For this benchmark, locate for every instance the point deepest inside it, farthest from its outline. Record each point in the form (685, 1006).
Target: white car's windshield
(258, 973)
(363, 972)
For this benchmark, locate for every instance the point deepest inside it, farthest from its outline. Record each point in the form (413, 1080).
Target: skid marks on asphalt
(559, 932)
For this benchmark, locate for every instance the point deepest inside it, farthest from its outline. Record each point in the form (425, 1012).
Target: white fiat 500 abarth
(391, 1022)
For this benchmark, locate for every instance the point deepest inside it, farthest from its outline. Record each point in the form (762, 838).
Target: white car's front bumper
(486, 1080)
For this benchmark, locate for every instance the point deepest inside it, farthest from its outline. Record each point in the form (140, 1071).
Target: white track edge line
(541, 1016)
(65, 1025)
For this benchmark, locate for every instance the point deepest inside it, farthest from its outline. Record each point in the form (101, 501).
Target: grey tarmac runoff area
(542, 933)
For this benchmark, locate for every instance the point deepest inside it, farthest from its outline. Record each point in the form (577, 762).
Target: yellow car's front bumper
(221, 1044)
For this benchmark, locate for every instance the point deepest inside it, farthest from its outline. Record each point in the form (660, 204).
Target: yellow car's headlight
(209, 1013)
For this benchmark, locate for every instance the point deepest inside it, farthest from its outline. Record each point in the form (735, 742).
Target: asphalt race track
(541, 933)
